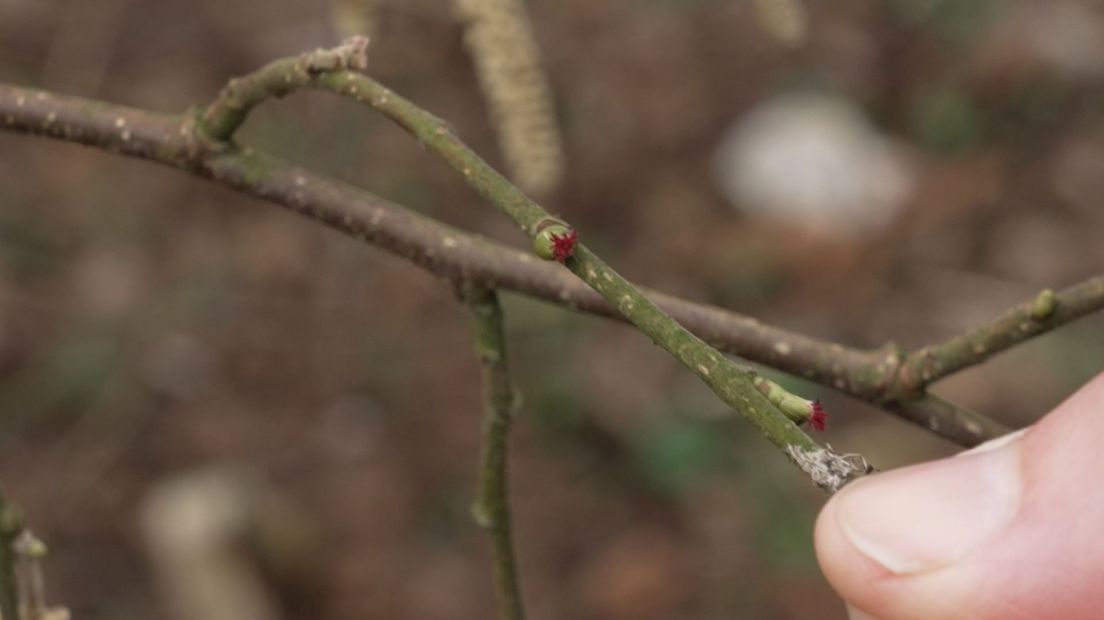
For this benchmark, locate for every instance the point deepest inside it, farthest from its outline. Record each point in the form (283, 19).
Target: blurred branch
(22, 583)
(32, 582)
(1048, 311)
(503, 47)
(221, 540)
(491, 509)
(443, 250)
(947, 419)
(436, 247)
(11, 525)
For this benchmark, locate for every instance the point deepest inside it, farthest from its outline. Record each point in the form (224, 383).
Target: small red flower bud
(798, 409)
(563, 246)
(555, 240)
(818, 419)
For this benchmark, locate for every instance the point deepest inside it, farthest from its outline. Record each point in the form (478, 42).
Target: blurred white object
(815, 162)
(193, 526)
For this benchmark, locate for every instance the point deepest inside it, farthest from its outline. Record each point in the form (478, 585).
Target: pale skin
(1012, 530)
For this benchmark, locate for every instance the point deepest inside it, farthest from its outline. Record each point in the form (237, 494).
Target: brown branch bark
(448, 252)
(436, 247)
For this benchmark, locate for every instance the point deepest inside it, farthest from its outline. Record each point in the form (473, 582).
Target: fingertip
(1074, 424)
(849, 572)
(969, 536)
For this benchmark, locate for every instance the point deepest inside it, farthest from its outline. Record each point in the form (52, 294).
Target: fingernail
(927, 517)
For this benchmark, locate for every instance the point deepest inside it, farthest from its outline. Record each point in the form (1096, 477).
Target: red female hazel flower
(555, 240)
(563, 246)
(818, 419)
(798, 409)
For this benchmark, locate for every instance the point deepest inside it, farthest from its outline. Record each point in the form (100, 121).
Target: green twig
(491, 508)
(732, 383)
(276, 79)
(440, 249)
(1047, 311)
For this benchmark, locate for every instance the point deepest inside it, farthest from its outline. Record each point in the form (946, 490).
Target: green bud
(554, 240)
(1044, 305)
(482, 516)
(36, 549)
(543, 243)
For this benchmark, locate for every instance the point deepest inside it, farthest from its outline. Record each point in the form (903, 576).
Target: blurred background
(209, 401)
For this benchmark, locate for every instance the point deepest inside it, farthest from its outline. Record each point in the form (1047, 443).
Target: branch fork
(200, 144)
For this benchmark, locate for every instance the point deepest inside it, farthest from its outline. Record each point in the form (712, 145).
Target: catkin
(500, 39)
(785, 20)
(353, 17)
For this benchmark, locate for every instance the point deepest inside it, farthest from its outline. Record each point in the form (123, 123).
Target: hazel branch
(306, 71)
(947, 419)
(446, 251)
(730, 382)
(491, 508)
(440, 249)
(276, 79)
(1048, 311)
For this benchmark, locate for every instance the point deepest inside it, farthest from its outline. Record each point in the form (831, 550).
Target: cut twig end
(354, 52)
(351, 55)
(828, 469)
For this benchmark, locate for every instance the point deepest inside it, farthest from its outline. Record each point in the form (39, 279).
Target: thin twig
(440, 249)
(32, 583)
(491, 508)
(436, 247)
(947, 419)
(732, 383)
(276, 79)
(1046, 312)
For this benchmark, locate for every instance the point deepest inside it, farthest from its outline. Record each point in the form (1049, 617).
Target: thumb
(1011, 530)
